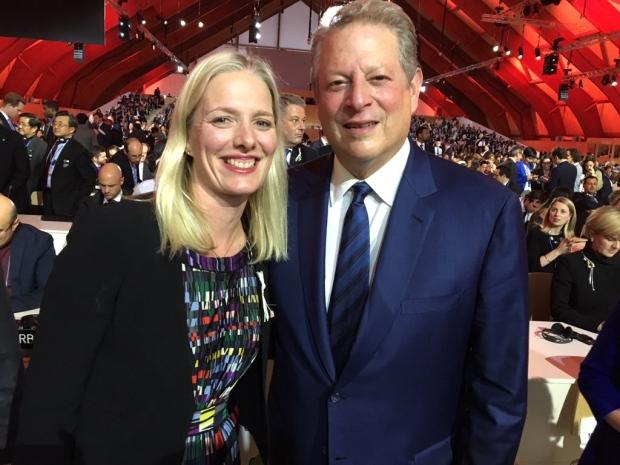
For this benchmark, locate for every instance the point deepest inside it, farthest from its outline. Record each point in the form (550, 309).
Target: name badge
(66, 163)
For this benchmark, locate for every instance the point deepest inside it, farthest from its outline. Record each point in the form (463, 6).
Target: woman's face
(233, 137)
(589, 166)
(605, 245)
(559, 214)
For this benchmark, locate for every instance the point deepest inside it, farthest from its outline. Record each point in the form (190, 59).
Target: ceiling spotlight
(201, 24)
(520, 53)
(423, 88)
(254, 32)
(78, 52)
(182, 23)
(537, 53)
(124, 27)
(153, 47)
(180, 69)
(613, 81)
(507, 51)
(165, 22)
(495, 48)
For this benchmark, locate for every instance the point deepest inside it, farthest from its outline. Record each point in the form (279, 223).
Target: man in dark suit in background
(28, 126)
(514, 155)
(26, 257)
(12, 106)
(564, 173)
(293, 125)
(403, 269)
(67, 175)
(50, 108)
(423, 137)
(133, 168)
(14, 168)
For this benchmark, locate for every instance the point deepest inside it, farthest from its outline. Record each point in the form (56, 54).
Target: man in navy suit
(427, 364)
(564, 173)
(26, 258)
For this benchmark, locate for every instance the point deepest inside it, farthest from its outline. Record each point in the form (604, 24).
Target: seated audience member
(532, 201)
(110, 180)
(26, 255)
(98, 157)
(134, 169)
(537, 217)
(555, 237)
(600, 385)
(587, 283)
(614, 199)
(10, 360)
(586, 201)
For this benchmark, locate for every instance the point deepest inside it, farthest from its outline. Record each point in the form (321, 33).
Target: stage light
(507, 52)
(201, 24)
(153, 46)
(423, 88)
(165, 22)
(140, 18)
(613, 81)
(78, 52)
(520, 53)
(550, 66)
(495, 48)
(563, 93)
(124, 28)
(537, 53)
(254, 32)
(182, 23)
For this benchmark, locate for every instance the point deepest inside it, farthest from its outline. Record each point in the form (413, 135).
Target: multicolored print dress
(222, 298)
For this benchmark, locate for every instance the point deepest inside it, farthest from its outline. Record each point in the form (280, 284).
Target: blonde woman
(586, 284)
(153, 326)
(554, 237)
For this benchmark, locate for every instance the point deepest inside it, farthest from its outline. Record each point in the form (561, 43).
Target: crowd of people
(160, 354)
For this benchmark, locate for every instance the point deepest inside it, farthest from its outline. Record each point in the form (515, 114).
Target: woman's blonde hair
(569, 227)
(604, 221)
(181, 222)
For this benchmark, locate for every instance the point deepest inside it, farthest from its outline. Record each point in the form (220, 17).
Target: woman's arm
(76, 311)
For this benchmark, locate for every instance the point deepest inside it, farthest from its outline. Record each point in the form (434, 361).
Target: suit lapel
(311, 243)
(408, 225)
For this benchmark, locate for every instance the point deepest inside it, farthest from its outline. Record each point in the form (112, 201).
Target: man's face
(7, 228)
(589, 185)
(134, 151)
(293, 124)
(100, 159)
(61, 127)
(110, 184)
(49, 112)
(531, 205)
(24, 128)
(13, 112)
(425, 135)
(365, 101)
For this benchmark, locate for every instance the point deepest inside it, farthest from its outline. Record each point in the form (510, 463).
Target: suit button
(335, 397)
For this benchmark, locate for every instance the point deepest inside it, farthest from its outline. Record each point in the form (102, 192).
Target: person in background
(586, 283)
(98, 157)
(293, 125)
(555, 237)
(163, 356)
(600, 385)
(564, 174)
(12, 106)
(50, 108)
(614, 199)
(532, 201)
(590, 169)
(28, 126)
(26, 258)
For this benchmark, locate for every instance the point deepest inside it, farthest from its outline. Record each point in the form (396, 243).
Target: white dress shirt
(384, 183)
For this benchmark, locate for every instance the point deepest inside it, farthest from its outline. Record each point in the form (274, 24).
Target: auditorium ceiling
(504, 92)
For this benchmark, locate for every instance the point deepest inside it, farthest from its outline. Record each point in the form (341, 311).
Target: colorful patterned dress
(222, 297)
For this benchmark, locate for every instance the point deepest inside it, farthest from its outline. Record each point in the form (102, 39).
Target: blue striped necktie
(350, 289)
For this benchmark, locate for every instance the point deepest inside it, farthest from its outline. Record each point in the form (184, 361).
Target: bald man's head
(134, 150)
(110, 180)
(8, 220)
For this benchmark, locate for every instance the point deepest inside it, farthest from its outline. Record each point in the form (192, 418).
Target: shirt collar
(384, 182)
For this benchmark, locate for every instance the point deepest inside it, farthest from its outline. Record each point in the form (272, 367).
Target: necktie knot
(360, 191)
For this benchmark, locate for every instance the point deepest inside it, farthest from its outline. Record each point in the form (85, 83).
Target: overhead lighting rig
(518, 14)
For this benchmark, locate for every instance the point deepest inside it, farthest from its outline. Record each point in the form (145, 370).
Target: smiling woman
(173, 335)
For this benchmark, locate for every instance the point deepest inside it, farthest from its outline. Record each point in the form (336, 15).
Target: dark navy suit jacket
(599, 381)
(32, 258)
(437, 375)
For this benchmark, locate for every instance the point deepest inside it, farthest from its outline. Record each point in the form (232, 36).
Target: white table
(57, 229)
(549, 436)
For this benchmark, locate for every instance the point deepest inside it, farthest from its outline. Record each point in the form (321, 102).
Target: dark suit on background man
(562, 175)
(301, 154)
(72, 180)
(143, 173)
(14, 168)
(513, 182)
(37, 148)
